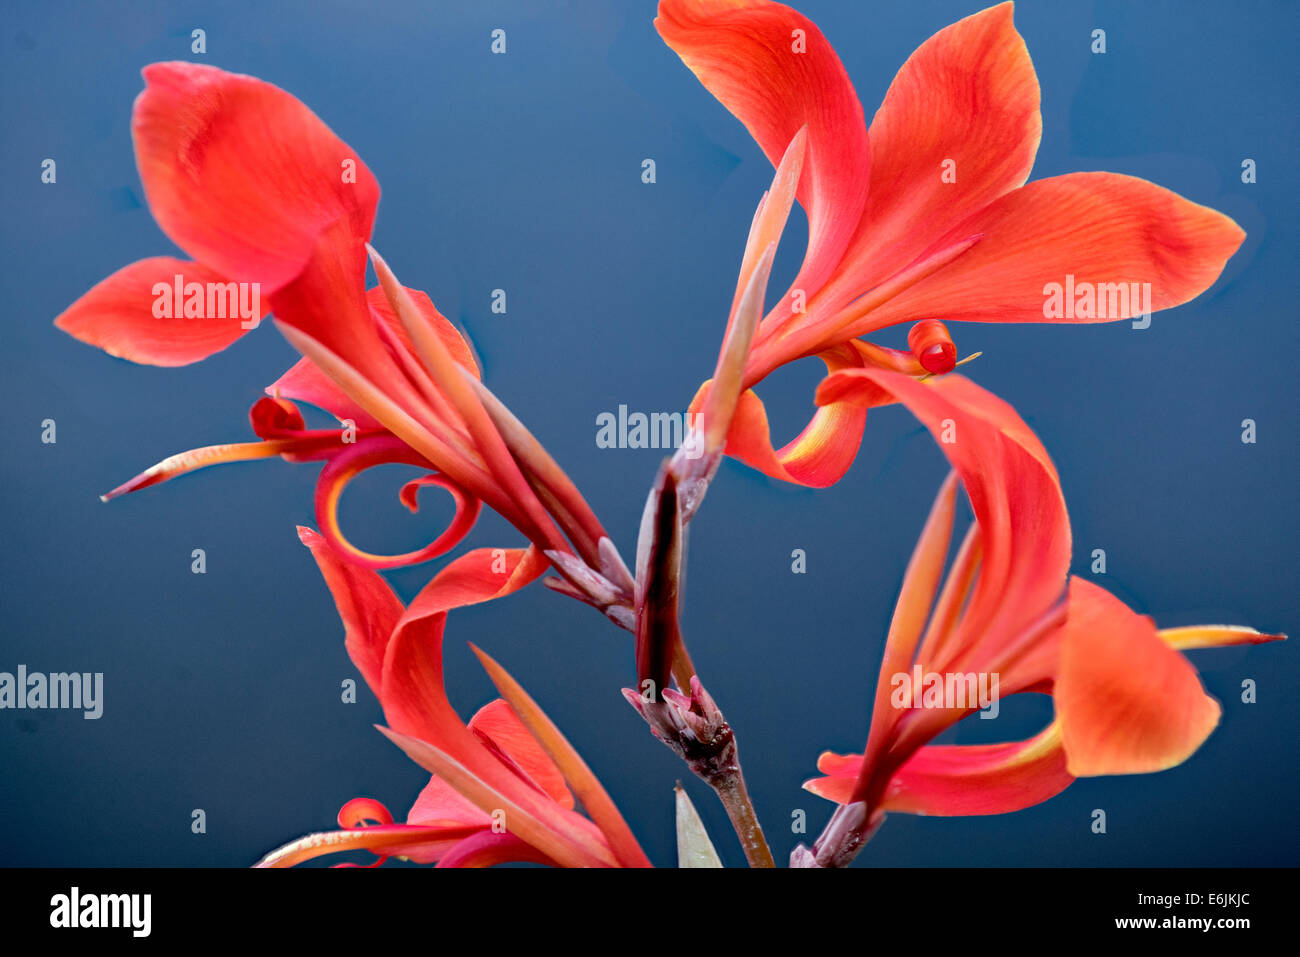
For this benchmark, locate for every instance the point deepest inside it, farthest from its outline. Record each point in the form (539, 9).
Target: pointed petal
(1214, 636)
(450, 336)
(243, 176)
(920, 583)
(957, 780)
(776, 81)
(369, 609)
(773, 213)
(588, 788)
(958, 128)
(838, 790)
(498, 721)
(1098, 228)
(1126, 701)
(182, 463)
(119, 316)
(478, 576)
(558, 491)
(531, 816)
(720, 405)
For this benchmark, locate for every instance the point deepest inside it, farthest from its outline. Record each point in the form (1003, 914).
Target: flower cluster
(923, 217)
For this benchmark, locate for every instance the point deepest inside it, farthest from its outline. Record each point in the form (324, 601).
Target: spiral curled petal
(388, 450)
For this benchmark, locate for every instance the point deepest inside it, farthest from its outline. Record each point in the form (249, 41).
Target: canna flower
(276, 210)
(924, 217)
(505, 785)
(1125, 700)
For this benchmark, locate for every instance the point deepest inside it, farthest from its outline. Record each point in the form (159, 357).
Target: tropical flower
(926, 215)
(504, 785)
(1125, 700)
(263, 195)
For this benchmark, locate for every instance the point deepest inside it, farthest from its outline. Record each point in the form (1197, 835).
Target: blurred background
(523, 172)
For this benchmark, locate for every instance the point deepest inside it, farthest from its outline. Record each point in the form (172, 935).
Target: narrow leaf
(694, 849)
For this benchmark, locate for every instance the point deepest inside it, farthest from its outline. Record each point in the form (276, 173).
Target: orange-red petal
(567, 837)
(595, 800)
(953, 780)
(413, 695)
(1126, 701)
(369, 609)
(958, 128)
(958, 780)
(498, 721)
(242, 175)
(1014, 492)
(118, 315)
(1098, 229)
(426, 726)
(773, 69)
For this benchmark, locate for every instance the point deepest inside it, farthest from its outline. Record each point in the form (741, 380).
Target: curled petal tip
(933, 347)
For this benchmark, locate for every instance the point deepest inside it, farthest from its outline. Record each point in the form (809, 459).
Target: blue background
(522, 172)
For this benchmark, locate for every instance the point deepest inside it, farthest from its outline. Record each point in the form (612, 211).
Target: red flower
(504, 785)
(924, 215)
(247, 180)
(1126, 702)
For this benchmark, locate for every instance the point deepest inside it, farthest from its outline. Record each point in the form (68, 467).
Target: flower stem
(734, 796)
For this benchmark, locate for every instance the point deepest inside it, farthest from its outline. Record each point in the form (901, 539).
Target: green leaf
(694, 849)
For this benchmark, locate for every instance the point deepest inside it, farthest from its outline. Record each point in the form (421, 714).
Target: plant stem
(734, 796)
